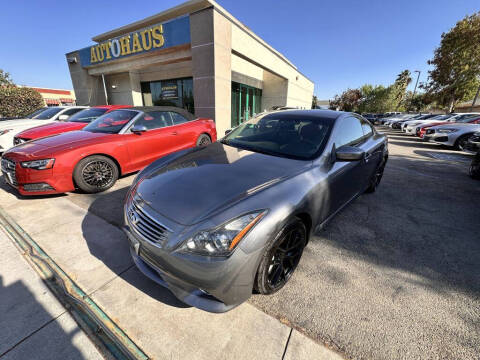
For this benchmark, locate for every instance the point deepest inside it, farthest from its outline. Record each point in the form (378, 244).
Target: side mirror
(63, 117)
(228, 131)
(349, 153)
(138, 129)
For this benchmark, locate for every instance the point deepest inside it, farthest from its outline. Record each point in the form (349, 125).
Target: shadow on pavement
(109, 207)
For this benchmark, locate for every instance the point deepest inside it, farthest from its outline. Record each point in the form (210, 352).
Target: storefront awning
(52, 101)
(66, 101)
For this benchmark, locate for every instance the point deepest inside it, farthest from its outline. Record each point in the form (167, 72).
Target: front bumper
(212, 284)
(31, 182)
(439, 138)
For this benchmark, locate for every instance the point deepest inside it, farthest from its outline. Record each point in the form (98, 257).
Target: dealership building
(196, 56)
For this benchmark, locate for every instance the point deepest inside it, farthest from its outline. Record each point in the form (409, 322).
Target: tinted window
(111, 122)
(35, 113)
(72, 111)
(281, 134)
(367, 128)
(49, 113)
(349, 131)
(155, 120)
(87, 115)
(177, 118)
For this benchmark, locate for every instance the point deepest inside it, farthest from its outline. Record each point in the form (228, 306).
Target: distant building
(467, 105)
(56, 97)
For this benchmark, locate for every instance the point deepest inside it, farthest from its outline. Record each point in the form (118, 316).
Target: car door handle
(174, 133)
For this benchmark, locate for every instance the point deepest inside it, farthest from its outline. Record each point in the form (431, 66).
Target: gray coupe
(214, 223)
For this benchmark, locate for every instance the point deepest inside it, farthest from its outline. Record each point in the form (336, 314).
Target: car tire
(376, 177)
(203, 140)
(276, 268)
(95, 174)
(461, 141)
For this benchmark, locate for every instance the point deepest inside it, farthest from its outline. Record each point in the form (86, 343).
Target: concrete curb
(100, 328)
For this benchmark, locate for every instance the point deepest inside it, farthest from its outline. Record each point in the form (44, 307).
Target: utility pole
(418, 77)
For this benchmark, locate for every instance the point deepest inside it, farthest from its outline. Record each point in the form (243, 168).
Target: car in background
(473, 144)
(9, 128)
(214, 224)
(417, 120)
(460, 118)
(454, 135)
(76, 122)
(29, 116)
(474, 169)
(397, 117)
(120, 142)
(411, 129)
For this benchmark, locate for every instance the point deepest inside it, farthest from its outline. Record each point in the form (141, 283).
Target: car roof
(324, 114)
(185, 113)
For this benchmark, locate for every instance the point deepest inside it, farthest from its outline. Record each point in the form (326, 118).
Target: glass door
(246, 102)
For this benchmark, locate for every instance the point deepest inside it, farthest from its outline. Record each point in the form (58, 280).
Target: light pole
(418, 77)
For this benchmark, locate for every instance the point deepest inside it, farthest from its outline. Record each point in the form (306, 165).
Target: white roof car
(454, 134)
(9, 128)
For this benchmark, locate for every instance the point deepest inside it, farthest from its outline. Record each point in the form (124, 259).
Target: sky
(337, 44)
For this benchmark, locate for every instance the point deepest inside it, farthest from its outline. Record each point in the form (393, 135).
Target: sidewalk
(34, 323)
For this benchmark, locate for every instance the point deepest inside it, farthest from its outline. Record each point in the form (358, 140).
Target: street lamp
(418, 77)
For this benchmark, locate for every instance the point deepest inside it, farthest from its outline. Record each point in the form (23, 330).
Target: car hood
(51, 129)
(458, 126)
(21, 124)
(53, 144)
(201, 183)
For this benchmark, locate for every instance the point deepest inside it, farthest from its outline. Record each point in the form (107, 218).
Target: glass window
(367, 129)
(72, 111)
(49, 113)
(111, 122)
(177, 118)
(349, 131)
(87, 115)
(35, 113)
(282, 134)
(175, 92)
(155, 120)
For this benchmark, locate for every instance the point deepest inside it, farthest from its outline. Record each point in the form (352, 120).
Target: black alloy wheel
(462, 142)
(203, 140)
(95, 174)
(281, 258)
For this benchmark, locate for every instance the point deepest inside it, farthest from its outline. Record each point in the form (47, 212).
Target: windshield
(288, 135)
(35, 113)
(441, 117)
(87, 115)
(112, 122)
(49, 113)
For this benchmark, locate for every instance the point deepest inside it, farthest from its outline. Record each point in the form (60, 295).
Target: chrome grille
(8, 170)
(145, 226)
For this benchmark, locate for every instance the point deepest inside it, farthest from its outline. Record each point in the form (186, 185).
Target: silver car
(213, 224)
(455, 134)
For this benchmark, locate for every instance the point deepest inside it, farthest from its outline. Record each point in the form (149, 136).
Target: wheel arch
(97, 154)
(307, 221)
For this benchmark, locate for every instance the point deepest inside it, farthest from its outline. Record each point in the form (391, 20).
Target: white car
(10, 128)
(390, 120)
(410, 127)
(455, 135)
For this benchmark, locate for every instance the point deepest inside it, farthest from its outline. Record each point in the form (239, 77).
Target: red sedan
(474, 119)
(76, 122)
(92, 159)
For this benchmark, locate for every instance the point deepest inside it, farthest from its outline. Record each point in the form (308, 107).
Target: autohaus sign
(160, 36)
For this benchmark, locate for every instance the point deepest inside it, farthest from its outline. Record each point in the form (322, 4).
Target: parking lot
(395, 275)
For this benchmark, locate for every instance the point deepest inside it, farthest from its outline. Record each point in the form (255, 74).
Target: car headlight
(38, 164)
(222, 240)
(3, 132)
(447, 131)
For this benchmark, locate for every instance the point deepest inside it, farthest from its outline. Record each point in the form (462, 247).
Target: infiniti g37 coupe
(119, 142)
(215, 223)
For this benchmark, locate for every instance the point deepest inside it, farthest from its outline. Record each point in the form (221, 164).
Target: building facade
(196, 56)
(56, 97)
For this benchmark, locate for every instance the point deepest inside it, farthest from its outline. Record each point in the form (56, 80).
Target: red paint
(59, 127)
(131, 151)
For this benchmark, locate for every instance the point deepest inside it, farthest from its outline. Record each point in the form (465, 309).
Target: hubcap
(285, 258)
(98, 174)
(204, 141)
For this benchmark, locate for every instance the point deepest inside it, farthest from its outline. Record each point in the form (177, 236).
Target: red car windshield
(112, 122)
(87, 115)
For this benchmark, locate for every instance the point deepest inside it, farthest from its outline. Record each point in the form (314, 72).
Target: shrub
(18, 101)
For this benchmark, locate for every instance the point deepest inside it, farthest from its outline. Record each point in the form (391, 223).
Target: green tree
(349, 100)
(18, 101)
(456, 64)
(5, 78)
(398, 89)
(314, 102)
